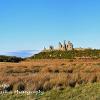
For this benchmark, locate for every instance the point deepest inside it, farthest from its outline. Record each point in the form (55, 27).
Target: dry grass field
(47, 74)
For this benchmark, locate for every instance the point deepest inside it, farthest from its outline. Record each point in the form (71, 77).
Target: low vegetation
(88, 53)
(57, 79)
(44, 75)
(83, 92)
(10, 59)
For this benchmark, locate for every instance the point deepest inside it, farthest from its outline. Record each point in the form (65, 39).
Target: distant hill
(87, 53)
(16, 56)
(10, 58)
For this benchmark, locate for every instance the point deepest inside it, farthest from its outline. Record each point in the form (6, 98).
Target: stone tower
(51, 48)
(69, 46)
(60, 46)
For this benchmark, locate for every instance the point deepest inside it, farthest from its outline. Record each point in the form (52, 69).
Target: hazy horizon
(33, 24)
(20, 53)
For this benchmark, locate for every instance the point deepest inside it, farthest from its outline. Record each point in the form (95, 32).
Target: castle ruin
(62, 47)
(65, 46)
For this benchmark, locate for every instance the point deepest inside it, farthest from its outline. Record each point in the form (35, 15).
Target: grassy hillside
(84, 92)
(88, 53)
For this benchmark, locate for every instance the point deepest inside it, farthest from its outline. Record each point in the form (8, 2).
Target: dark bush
(56, 71)
(72, 83)
(21, 87)
(10, 59)
(70, 71)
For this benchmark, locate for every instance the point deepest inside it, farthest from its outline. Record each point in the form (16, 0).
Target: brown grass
(47, 74)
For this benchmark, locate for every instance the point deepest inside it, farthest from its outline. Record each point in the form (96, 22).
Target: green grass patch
(83, 92)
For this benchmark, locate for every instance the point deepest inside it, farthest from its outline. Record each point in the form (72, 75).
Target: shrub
(72, 83)
(21, 87)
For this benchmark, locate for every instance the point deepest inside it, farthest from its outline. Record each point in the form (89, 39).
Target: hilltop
(72, 54)
(66, 50)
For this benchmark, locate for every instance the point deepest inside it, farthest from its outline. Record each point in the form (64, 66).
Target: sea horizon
(19, 53)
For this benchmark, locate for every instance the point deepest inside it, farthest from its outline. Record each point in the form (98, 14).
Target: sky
(33, 24)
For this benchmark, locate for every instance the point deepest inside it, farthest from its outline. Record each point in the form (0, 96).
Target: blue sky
(33, 24)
